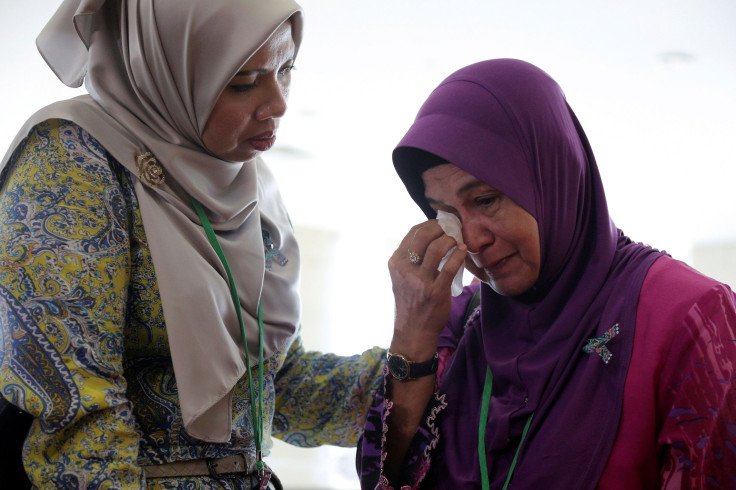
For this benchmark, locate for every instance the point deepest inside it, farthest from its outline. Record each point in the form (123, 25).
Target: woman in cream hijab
(149, 273)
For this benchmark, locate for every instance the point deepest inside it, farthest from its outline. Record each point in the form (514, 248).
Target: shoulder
(676, 275)
(680, 308)
(672, 288)
(60, 137)
(75, 141)
(58, 150)
(61, 178)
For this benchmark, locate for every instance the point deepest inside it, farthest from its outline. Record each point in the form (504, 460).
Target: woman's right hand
(423, 296)
(422, 293)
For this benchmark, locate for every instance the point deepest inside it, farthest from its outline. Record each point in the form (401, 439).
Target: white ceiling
(652, 82)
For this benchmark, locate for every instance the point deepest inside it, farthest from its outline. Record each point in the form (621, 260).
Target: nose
(273, 104)
(476, 235)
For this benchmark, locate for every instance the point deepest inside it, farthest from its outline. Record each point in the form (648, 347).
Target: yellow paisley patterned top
(84, 344)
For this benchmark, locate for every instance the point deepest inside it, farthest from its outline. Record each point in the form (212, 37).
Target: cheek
(228, 119)
(522, 230)
(223, 127)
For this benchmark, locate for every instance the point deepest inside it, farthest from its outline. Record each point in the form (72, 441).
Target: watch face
(398, 367)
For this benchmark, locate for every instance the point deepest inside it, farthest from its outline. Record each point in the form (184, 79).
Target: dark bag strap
(14, 425)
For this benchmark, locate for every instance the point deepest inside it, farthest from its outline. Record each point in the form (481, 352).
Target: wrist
(416, 346)
(403, 369)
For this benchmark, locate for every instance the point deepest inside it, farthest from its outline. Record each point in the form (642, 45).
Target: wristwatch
(402, 368)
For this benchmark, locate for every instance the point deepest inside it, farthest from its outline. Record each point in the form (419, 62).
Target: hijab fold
(507, 123)
(154, 71)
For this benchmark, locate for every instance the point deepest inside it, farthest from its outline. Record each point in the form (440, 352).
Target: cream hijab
(154, 70)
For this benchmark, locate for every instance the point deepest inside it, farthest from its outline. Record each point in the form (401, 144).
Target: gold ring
(414, 258)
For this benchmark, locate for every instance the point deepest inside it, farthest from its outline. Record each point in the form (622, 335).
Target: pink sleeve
(698, 393)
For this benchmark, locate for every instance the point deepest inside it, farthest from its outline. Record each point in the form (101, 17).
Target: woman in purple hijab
(592, 362)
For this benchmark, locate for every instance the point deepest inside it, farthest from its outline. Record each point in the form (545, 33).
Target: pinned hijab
(507, 123)
(154, 71)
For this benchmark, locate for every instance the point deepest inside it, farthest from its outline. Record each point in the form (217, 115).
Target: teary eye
(486, 201)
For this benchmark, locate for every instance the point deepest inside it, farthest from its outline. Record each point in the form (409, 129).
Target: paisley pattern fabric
(84, 343)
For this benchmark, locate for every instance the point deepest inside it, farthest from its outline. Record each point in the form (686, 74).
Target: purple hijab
(507, 123)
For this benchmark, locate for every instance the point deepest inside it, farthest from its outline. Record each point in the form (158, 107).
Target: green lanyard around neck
(487, 388)
(256, 395)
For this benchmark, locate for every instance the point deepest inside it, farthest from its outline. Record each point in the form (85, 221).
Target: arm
(423, 302)
(417, 458)
(64, 270)
(323, 398)
(697, 398)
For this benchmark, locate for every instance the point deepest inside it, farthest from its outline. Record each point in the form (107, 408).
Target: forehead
(279, 47)
(448, 180)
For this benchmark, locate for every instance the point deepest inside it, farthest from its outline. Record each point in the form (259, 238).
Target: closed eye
(242, 87)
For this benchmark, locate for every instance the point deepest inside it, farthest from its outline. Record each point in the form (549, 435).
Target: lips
(263, 141)
(498, 263)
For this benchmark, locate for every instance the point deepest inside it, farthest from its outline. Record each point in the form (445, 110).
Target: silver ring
(414, 258)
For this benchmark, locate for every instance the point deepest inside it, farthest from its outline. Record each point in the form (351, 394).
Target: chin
(241, 156)
(236, 154)
(504, 289)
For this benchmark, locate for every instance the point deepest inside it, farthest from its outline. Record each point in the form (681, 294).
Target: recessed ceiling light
(676, 58)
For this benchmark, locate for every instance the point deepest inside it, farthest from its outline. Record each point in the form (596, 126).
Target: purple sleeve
(371, 453)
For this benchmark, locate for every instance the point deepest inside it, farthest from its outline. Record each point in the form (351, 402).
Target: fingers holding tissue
(452, 227)
(421, 286)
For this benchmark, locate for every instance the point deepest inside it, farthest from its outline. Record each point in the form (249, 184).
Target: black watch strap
(402, 368)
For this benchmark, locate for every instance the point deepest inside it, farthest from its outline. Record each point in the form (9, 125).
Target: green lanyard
(256, 397)
(482, 435)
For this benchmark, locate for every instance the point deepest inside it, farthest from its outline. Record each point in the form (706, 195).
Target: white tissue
(452, 227)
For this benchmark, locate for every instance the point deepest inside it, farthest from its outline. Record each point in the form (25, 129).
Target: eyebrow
(467, 187)
(250, 72)
(435, 202)
(261, 71)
